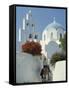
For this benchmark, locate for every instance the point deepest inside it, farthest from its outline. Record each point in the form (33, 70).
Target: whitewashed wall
(59, 73)
(28, 68)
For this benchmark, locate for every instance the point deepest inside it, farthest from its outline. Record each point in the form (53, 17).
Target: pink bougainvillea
(33, 48)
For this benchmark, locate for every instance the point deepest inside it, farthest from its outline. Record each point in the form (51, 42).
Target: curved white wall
(28, 68)
(59, 73)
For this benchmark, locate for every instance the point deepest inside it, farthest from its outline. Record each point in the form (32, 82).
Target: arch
(52, 48)
(30, 35)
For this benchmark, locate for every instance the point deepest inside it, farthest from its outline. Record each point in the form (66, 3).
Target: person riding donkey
(45, 72)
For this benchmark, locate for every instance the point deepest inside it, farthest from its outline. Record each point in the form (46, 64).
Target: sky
(41, 16)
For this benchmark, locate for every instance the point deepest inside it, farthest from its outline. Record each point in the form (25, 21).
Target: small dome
(55, 25)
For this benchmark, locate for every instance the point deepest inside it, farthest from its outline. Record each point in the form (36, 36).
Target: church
(50, 36)
(27, 32)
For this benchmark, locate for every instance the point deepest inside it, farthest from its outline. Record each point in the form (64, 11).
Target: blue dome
(55, 25)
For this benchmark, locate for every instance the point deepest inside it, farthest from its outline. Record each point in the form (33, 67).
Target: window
(51, 35)
(60, 36)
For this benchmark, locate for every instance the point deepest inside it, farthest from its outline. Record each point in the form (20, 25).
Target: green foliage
(57, 57)
(63, 43)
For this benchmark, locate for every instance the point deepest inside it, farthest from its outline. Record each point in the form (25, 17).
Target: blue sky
(42, 17)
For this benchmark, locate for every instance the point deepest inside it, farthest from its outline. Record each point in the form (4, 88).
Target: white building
(51, 38)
